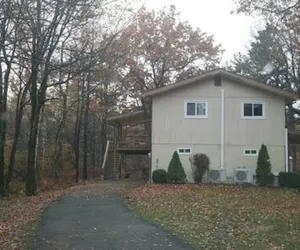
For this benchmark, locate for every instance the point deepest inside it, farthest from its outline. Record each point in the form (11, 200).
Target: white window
(195, 109)
(250, 152)
(253, 110)
(184, 151)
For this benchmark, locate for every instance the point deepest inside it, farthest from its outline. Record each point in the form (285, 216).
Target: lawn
(222, 216)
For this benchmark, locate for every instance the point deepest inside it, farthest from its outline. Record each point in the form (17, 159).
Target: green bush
(200, 164)
(264, 175)
(176, 174)
(289, 180)
(159, 176)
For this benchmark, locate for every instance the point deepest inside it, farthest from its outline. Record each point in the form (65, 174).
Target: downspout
(222, 127)
(150, 113)
(286, 151)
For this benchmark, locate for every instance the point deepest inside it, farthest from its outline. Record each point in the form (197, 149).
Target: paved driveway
(99, 219)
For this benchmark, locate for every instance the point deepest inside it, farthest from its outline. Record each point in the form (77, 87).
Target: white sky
(213, 17)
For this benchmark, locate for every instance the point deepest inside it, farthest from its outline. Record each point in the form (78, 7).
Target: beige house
(224, 115)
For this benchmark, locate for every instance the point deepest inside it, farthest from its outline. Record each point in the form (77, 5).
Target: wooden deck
(131, 136)
(134, 144)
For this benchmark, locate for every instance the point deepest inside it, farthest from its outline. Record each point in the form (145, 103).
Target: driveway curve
(98, 218)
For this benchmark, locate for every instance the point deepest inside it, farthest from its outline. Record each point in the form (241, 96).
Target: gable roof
(287, 95)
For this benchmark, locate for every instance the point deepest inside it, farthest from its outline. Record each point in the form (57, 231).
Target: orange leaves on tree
(161, 48)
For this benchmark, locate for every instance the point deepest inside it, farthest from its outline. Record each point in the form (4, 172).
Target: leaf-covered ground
(19, 217)
(223, 216)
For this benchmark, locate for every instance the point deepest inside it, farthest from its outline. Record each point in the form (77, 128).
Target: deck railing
(142, 141)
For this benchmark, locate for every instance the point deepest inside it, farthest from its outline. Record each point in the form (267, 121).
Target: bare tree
(49, 24)
(8, 48)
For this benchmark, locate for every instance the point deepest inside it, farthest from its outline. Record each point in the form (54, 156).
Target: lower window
(251, 152)
(184, 151)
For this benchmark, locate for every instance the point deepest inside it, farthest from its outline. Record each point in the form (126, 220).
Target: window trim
(250, 149)
(195, 116)
(253, 117)
(185, 153)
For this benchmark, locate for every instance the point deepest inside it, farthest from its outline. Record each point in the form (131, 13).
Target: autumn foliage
(162, 48)
(222, 216)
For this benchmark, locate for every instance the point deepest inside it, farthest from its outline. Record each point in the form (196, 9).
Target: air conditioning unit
(217, 175)
(243, 175)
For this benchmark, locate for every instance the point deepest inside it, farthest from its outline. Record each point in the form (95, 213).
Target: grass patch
(221, 216)
(30, 228)
(20, 216)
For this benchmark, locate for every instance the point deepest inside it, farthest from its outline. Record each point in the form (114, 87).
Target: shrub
(270, 179)
(264, 175)
(289, 180)
(159, 176)
(176, 174)
(200, 164)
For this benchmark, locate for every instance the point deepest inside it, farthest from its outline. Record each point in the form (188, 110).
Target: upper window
(253, 110)
(196, 109)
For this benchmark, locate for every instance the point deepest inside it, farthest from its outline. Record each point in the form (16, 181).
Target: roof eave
(180, 84)
(287, 95)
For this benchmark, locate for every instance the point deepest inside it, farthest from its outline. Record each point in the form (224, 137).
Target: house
(224, 115)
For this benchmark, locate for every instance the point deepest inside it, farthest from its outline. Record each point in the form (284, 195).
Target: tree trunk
(85, 128)
(18, 124)
(3, 126)
(77, 132)
(56, 166)
(31, 184)
(58, 144)
(2, 137)
(40, 143)
(76, 141)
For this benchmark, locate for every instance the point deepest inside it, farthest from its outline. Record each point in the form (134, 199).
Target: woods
(65, 66)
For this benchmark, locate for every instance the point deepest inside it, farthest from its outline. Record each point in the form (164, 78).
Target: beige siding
(170, 130)
(234, 157)
(162, 154)
(170, 126)
(240, 131)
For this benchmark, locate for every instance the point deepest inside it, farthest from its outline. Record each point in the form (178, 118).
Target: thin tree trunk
(77, 132)
(18, 125)
(2, 136)
(40, 141)
(85, 128)
(3, 91)
(3, 126)
(76, 141)
(31, 184)
(3, 120)
(93, 137)
(58, 145)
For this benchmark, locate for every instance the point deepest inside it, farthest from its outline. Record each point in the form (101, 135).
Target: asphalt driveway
(99, 219)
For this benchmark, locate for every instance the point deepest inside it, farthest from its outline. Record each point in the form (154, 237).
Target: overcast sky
(213, 17)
